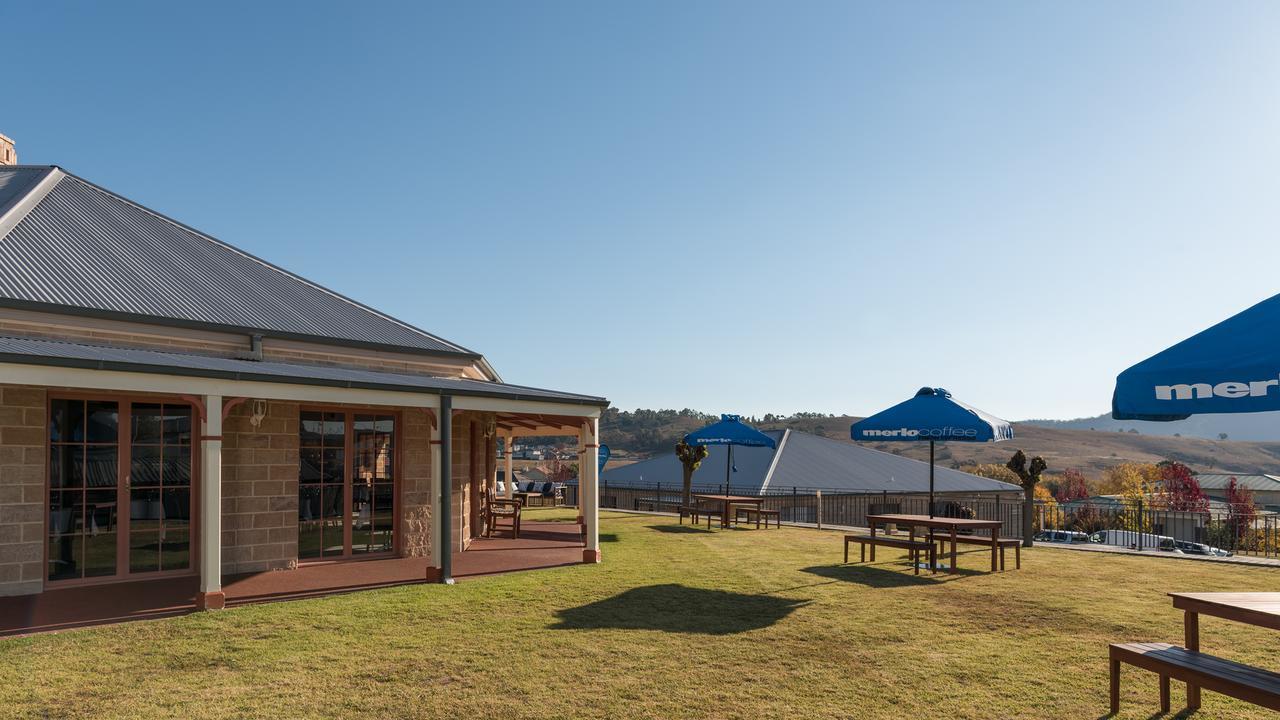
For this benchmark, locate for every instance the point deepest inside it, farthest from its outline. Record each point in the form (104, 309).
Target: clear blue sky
(734, 207)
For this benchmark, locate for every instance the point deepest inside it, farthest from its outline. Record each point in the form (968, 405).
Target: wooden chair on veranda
(496, 509)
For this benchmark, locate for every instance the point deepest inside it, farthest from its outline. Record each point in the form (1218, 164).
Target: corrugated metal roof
(66, 354)
(16, 181)
(1219, 481)
(83, 247)
(808, 461)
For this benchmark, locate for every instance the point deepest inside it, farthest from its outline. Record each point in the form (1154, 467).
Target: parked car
(1063, 536)
(1195, 548)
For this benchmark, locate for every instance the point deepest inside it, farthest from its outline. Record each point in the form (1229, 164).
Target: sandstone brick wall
(22, 501)
(415, 483)
(260, 489)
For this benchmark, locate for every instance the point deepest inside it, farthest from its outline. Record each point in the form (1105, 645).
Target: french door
(346, 485)
(120, 500)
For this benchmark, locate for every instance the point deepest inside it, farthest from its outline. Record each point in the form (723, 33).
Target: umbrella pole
(728, 467)
(931, 478)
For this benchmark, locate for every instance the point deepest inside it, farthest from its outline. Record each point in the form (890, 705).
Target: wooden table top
(730, 498)
(941, 522)
(1253, 608)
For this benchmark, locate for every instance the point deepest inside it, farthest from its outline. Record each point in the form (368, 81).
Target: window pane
(65, 511)
(66, 421)
(332, 524)
(146, 468)
(103, 422)
(383, 517)
(102, 466)
(100, 554)
(146, 423)
(309, 538)
(66, 466)
(144, 551)
(100, 511)
(335, 430)
(64, 556)
(312, 429)
(144, 509)
(332, 469)
(177, 425)
(175, 550)
(309, 465)
(177, 466)
(308, 503)
(177, 507)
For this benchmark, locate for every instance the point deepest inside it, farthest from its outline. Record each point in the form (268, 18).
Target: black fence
(840, 507)
(1216, 529)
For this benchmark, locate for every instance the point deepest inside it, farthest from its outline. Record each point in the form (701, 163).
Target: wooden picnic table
(943, 523)
(731, 500)
(1251, 608)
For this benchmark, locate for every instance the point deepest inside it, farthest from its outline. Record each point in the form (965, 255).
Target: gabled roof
(67, 245)
(806, 461)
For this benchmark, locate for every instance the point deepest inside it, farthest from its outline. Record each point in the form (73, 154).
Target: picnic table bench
(913, 548)
(758, 513)
(1201, 670)
(654, 503)
(1003, 543)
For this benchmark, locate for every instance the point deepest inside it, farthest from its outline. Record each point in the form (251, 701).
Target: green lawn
(675, 623)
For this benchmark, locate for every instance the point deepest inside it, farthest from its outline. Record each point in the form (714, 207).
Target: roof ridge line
(30, 199)
(773, 464)
(271, 266)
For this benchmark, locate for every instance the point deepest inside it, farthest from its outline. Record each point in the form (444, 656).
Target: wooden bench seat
(758, 514)
(913, 548)
(696, 513)
(1014, 543)
(1244, 682)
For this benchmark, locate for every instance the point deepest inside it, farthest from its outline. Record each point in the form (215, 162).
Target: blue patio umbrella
(729, 431)
(932, 416)
(1231, 367)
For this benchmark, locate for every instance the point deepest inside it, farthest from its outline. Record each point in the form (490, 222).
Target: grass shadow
(608, 537)
(679, 609)
(679, 529)
(870, 575)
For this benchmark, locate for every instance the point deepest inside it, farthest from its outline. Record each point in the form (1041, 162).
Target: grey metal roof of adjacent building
(1252, 481)
(97, 357)
(81, 248)
(807, 461)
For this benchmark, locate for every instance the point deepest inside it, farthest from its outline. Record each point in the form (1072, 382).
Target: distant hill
(644, 433)
(1262, 427)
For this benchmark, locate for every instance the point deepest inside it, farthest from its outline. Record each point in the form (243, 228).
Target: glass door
(346, 485)
(372, 492)
(84, 489)
(159, 486)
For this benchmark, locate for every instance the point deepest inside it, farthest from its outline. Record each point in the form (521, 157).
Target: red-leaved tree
(1072, 486)
(1181, 489)
(1240, 508)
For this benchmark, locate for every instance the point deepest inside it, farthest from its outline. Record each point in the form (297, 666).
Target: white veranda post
(508, 455)
(589, 487)
(436, 470)
(210, 596)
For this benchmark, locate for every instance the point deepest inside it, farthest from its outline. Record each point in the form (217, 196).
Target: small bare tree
(690, 456)
(1028, 478)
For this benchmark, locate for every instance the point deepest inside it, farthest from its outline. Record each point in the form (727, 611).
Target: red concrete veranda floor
(541, 545)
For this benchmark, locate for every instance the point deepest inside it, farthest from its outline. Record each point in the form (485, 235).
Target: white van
(1134, 539)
